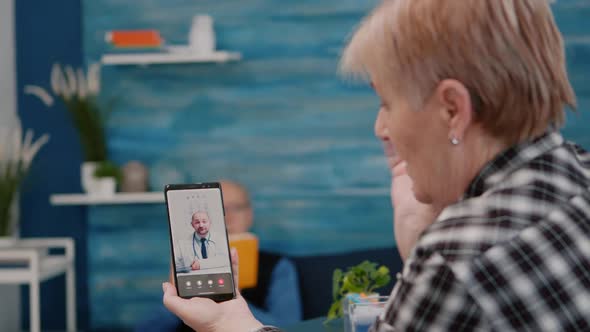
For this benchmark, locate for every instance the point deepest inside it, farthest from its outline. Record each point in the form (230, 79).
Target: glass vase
(347, 302)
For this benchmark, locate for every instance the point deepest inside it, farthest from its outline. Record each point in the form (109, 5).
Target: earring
(454, 141)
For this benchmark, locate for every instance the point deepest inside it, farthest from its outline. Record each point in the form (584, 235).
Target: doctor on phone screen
(198, 251)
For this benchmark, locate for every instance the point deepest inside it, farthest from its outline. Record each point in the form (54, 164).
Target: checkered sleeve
(432, 300)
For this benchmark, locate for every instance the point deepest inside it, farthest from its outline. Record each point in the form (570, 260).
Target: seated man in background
(274, 301)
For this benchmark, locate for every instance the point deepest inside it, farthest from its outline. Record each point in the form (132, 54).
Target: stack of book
(134, 39)
(247, 246)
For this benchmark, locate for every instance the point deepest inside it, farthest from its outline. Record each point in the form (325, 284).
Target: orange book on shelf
(247, 246)
(134, 38)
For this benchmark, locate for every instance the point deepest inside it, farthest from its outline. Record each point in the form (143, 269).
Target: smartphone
(199, 242)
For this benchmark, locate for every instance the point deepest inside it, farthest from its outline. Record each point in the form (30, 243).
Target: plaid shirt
(512, 255)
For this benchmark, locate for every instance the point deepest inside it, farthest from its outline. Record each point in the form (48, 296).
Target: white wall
(7, 64)
(10, 304)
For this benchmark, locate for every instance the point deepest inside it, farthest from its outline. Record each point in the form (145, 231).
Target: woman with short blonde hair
(508, 54)
(492, 205)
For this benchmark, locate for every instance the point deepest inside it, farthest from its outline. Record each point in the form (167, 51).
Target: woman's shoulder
(581, 155)
(532, 189)
(524, 197)
(554, 176)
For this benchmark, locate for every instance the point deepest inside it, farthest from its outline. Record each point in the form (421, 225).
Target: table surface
(29, 258)
(317, 325)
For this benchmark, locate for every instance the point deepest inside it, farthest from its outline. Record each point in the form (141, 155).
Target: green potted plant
(79, 92)
(16, 154)
(359, 281)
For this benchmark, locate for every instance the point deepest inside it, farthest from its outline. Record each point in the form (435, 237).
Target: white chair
(29, 262)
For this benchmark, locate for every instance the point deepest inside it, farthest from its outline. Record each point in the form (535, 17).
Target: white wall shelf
(158, 197)
(168, 58)
(116, 199)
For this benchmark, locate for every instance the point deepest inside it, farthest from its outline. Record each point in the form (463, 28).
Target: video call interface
(199, 240)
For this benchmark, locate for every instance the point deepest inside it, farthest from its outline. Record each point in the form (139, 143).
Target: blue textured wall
(48, 32)
(279, 121)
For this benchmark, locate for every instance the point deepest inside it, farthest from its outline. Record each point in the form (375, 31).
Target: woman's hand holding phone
(205, 315)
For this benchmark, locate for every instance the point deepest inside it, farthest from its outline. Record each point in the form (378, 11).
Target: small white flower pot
(106, 186)
(103, 187)
(96, 186)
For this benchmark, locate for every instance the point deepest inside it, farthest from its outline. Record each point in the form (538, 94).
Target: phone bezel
(208, 185)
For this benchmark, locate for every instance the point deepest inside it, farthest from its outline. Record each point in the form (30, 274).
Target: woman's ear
(456, 108)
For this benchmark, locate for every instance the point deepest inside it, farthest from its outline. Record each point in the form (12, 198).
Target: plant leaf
(334, 312)
(82, 85)
(336, 283)
(71, 81)
(94, 79)
(56, 79)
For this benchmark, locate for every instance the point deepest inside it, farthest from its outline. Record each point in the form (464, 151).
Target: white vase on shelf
(202, 36)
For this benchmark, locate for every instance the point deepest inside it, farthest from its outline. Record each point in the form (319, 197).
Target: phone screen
(198, 237)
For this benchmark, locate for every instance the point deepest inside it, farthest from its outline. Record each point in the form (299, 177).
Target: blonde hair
(509, 54)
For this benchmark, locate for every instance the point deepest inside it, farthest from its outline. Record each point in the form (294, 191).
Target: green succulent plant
(108, 169)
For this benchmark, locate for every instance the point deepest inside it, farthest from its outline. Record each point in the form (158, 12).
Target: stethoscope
(195, 240)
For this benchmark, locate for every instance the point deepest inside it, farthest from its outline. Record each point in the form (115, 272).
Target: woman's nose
(380, 128)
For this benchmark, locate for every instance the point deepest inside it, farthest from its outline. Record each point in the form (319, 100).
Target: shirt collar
(198, 238)
(496, 170)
